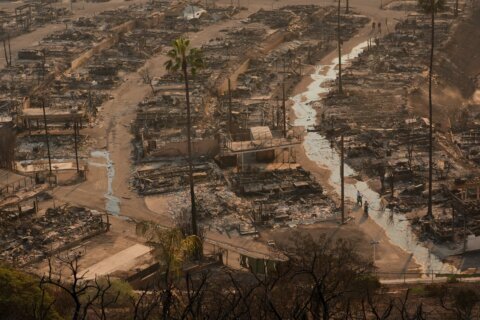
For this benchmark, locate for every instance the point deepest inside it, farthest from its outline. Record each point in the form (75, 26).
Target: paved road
(121, 261)
(426, 280)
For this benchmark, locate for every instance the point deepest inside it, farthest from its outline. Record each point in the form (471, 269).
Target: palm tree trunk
(340, 89)
(189, 148)
(75, 131)
(430, 105)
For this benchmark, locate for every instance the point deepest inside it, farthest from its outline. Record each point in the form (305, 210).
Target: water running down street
(317, 148)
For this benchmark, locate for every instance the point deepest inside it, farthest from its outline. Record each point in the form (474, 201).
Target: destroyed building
(250, 136)
(25, 239)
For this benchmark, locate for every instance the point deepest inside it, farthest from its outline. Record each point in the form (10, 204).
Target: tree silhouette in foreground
(323, 279)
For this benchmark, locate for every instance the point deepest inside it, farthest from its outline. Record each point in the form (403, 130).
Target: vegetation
(170, 247)
(80, 298)
(21, 297)
(322, 279)
(184, 58)
(431, 7)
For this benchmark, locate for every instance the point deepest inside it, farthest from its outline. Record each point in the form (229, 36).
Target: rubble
(29, 238)
(26, 17)
(392, 147)
(244, 127)
(284, 195)
(168, 177)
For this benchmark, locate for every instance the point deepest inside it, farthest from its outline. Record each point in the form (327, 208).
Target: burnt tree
(7, 147)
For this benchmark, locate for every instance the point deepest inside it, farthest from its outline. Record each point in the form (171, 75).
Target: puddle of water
(317, 148)
(112, 204)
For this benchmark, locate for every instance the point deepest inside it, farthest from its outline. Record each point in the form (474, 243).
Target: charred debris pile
(392, 146)
(242, 139)
(30, 237)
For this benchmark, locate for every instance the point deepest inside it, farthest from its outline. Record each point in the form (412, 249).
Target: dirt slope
(461, 55)
(457, 65)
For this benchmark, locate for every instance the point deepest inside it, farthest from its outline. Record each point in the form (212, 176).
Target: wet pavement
(317, 149)
(112, 204)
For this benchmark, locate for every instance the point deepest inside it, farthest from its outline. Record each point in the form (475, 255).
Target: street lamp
(374, 243)
(93, 84)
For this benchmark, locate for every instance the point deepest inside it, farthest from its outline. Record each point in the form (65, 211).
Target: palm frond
(181, 53)
(191, 244)
(170, 247)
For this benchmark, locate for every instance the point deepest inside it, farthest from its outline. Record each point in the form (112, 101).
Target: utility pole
(284, 109)
(273, 117)
(229, 106)
(9, 49)
(430, 118)
(453, 222)
(7, 60)
(464, 232)
(342, 179)
(46, 137)
(277, 113)
(392, 182)
(43, 63)
(374, 243)
(90, 103)
(75, 129)
(339, 40)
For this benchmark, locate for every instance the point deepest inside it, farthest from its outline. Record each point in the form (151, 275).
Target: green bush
(452, 279)
(119, 292)
(22, 298)
(420, 290)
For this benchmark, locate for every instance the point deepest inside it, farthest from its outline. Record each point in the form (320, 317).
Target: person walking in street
(365, 208)
(359, 199)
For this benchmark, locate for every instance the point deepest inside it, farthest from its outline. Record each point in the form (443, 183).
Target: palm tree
(431, 7)
(170, 247)
(183, 59)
